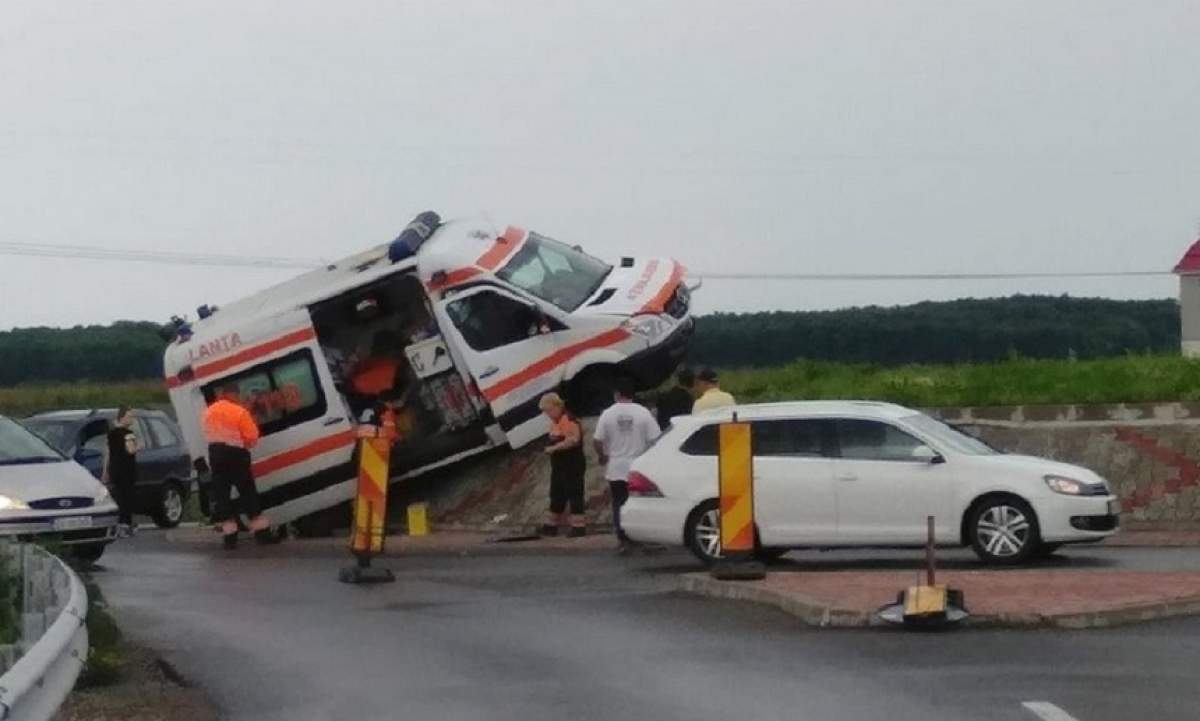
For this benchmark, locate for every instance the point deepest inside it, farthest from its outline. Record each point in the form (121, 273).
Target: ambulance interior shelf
(383, 344)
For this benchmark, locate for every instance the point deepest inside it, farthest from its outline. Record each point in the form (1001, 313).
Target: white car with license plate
(44, 495)
(833, 474)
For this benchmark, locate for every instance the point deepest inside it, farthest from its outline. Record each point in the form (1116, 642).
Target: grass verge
(1128, 379)
(1017, 381)
(24, 400)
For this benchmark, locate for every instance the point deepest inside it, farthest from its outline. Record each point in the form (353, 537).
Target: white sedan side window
(865, 440)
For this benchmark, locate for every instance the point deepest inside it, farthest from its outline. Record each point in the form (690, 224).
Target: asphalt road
(524, 635)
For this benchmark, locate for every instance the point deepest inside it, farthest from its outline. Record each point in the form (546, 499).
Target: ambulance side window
(280, 393)
(489, 320)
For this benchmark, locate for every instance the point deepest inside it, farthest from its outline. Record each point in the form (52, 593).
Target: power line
(933, 276)
(84, 252)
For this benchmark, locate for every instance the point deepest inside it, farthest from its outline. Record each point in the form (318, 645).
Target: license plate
(72, 524)
(1114, 507)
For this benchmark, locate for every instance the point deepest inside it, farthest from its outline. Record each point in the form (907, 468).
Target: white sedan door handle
(847, 477)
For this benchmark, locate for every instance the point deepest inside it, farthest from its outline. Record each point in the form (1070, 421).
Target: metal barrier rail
(37, 684)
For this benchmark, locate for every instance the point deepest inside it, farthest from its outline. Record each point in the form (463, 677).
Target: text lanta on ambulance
(461, 326)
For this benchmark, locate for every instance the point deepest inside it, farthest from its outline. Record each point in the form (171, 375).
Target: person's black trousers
(231, 469)
(620, 493)
(122, 492)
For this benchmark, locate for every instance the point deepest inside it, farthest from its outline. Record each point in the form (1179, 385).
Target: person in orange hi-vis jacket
(231, 432)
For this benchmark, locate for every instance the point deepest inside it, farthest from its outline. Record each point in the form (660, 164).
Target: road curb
(809, 610)
(820, 614)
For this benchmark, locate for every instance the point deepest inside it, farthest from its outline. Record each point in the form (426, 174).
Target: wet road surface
(532, 635)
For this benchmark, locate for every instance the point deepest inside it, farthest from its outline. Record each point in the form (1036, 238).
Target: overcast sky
(837, 136)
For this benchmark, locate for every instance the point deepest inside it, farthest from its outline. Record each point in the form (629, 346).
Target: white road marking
(1047, 711)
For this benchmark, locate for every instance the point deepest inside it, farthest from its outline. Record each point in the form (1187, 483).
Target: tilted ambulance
(481, 322)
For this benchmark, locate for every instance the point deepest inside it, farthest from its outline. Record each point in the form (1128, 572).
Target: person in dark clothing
(231, 432)
(678, 400)
(567, 467)
(120, 468)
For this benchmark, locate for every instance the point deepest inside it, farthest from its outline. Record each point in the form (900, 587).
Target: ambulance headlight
(647, 326)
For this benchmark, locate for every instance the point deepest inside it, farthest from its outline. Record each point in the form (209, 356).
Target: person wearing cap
(231, 432)
(711, 395)
(567, 467)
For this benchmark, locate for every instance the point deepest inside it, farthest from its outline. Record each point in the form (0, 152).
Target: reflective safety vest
(228, 423)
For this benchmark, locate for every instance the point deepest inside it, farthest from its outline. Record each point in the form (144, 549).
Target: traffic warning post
(735, 460)
(930, 604)
(370, 509)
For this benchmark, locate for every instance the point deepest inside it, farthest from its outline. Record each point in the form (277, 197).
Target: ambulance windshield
(555, 272)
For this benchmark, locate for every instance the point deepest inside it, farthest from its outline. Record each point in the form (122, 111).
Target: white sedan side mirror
(925, 454)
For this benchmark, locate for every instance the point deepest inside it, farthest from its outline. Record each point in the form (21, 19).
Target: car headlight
(11, 504)
(105, 496)
(647, 326)
(1066, 486)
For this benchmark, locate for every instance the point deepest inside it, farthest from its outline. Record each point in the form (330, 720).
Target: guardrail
(54, 640)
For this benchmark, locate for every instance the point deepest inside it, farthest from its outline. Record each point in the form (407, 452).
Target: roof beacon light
(413, 236)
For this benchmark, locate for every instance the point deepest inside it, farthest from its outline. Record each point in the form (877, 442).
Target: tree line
(959, 331)
(931, 332)
(125, 350)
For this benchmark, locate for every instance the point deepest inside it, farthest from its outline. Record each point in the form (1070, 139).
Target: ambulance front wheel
(590, 392)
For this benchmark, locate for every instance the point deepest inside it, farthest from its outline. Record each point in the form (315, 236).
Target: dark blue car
(164, 466)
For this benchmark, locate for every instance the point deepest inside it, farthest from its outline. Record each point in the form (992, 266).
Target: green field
(18, 401)
(1128, 379)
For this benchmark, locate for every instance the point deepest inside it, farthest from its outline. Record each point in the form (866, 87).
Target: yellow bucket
(418, 519)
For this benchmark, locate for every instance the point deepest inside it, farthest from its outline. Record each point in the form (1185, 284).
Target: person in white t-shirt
(625, 430)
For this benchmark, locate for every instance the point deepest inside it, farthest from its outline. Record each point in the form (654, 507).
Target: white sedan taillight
(643, 487)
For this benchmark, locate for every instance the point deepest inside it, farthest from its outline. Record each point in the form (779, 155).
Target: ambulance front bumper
(652, 366)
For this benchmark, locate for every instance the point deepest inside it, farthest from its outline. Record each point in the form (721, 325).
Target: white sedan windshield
(18, 445)
(952, 439)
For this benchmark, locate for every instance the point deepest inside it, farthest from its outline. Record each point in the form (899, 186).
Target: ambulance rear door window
(280, 393)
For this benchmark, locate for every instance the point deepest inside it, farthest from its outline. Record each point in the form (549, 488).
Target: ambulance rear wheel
(315, 525)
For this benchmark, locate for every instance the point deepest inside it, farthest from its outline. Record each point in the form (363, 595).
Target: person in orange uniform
(567, 467)
(231, 432)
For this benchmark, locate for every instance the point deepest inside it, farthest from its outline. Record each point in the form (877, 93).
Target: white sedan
(44, 495)
(831, 474)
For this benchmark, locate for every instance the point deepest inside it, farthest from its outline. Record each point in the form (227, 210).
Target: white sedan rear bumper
(655, 520)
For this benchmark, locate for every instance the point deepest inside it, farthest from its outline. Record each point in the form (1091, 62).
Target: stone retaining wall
(509, 489)
(1149, 452)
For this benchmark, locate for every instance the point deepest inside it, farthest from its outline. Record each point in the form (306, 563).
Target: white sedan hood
(1033, 465)
(34, 481)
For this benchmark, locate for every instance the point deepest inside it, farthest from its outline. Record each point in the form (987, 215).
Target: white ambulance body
(484, 323)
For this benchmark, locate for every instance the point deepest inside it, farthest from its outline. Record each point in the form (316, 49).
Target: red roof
(1190, 263)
